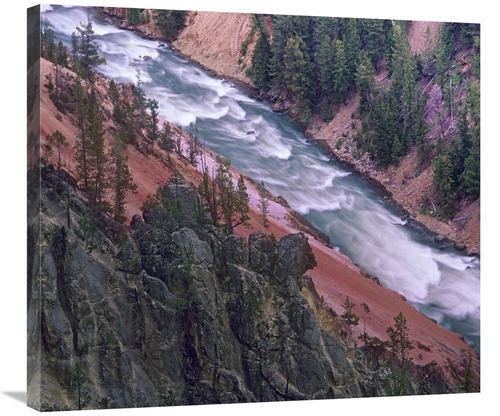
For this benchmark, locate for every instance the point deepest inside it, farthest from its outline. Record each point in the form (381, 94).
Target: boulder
(187, 240)
(184, 200)
(262, 253)
(159, 217)
(295, 256)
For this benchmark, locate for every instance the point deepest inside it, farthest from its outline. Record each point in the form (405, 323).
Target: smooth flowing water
(268, 147)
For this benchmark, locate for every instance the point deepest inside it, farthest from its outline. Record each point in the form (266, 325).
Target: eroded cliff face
(170, 311)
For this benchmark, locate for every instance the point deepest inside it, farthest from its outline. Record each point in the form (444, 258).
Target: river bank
(329, 272)
(220, 56)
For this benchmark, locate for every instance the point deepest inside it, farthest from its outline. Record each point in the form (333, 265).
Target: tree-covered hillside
(318, 63)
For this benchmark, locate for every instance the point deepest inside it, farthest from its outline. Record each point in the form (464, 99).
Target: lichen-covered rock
(188, 242)
(262, 253)
(295, 256)
(169, 315)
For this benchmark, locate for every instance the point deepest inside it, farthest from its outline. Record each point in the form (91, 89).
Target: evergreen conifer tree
(260, 71)
(86, 50)
(97, 159)
(58, 140)
(152, 125)
(263, 204)
(340, 71)
(82, 136)
(121, 180)
(298, 75)
(364, 82)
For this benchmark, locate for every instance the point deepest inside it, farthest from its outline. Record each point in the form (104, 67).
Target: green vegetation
(58, 140)
(170, 22)
(251, 306)
(182, 283)
(168, 399)
(462, 372)
(316, 63)
(135, 16)
(120, 176)
(86, 51)
(400, 347)
(88, 225)
(348, 318)
(193, 145)
(227, 205)
(76, 378)
(263, 204)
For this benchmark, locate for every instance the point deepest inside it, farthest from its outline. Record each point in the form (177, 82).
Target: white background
(13, 204)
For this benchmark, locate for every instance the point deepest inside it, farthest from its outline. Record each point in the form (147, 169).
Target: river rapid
(269, 147)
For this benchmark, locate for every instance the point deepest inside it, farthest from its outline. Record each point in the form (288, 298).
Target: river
(269, 147)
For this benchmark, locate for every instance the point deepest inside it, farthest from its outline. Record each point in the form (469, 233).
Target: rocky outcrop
(172, 311)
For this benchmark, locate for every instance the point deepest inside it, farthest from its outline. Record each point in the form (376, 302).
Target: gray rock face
(187, 240)
(262, 253)
(295, 256)
(146, 325)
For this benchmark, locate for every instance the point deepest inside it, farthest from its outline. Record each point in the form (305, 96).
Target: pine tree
(152, 125)
(74, 47)
(298, 75)
(282, 29)
(97, 160)
(472, 173)
(340, 72)
(242, 204)
(208, 192)
(226, 204)
(77, 378)
(349, 318)
(59, 140)
(261, 57)
(373, 38)
(121, 178)
(134, 16)
(421, 131)
(286, 28)
(170, 22)
(468, 32)
(400, 346)
(193, 145)
(444, 184)
(462, 371)
(226, 195)
(383, 118)
(140, 101)
(396, 150)
(119, 112)
(166, 142)
(324, 57)
(48, 41)
(364, 82)
(91, 155)
(352, 47)
(400, 343)
(263, 204)
(81, 123)
(62, 57)
(86, 51)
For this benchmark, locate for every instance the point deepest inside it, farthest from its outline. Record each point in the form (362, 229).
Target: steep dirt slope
(214, 40)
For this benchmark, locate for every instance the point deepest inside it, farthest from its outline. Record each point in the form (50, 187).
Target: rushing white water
(443, 284)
